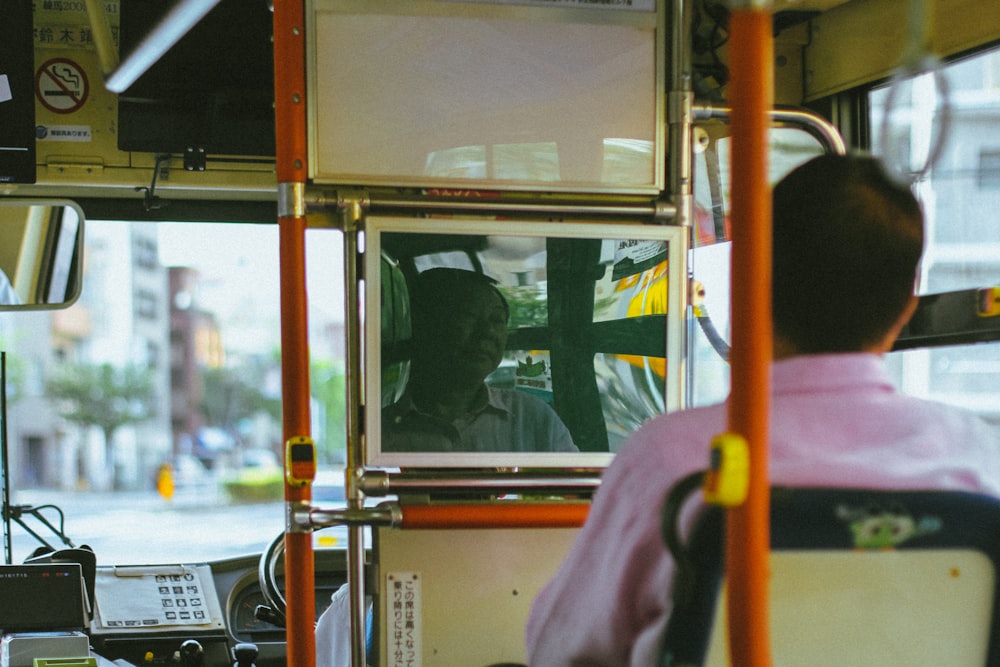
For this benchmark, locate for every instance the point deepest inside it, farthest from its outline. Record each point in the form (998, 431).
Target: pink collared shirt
(836, 420)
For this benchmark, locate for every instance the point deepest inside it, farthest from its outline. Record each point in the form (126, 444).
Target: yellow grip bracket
(728, 478)
(988, 302)
(300, 460)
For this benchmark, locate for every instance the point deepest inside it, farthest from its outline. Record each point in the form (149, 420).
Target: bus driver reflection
(459, 335)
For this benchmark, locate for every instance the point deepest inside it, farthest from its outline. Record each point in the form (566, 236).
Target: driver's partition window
(960, 194)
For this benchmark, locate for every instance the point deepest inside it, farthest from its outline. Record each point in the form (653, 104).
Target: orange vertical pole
(290, 163)
(748, 533)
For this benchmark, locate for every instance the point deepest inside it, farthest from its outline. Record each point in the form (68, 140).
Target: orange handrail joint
(503, 515)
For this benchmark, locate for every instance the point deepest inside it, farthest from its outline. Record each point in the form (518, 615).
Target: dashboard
(247, 595)
(144, 614)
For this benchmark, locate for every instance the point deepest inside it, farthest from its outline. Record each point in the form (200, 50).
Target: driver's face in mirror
(459, 327)
(459, 323)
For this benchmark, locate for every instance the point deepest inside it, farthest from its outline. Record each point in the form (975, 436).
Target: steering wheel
(267, 577)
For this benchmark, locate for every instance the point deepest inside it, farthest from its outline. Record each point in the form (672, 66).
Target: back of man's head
(847, 241)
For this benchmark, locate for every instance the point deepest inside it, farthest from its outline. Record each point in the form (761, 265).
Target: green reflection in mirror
(41, 247)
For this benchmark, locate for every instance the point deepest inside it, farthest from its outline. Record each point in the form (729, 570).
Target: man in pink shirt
(847, 240)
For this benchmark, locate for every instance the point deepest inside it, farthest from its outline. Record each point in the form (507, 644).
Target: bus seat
(858, 577)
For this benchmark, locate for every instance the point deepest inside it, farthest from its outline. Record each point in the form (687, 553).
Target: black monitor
(41, 598)
(213, 91)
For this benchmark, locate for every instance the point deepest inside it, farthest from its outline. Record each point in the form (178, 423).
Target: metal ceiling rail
(376, 483)
(527, 205)
(820, 128)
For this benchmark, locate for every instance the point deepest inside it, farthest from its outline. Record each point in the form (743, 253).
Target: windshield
(150, 411)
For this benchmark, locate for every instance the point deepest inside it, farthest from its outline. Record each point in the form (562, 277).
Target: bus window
(960, 194)
(150, 410)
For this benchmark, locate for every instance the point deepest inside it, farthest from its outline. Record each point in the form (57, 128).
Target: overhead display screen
(562, 97)
(213, 90)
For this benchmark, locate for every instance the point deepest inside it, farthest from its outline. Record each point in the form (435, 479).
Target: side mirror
(41, 253)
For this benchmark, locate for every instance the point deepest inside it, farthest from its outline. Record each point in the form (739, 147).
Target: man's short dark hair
(435, 289)
(847, 242)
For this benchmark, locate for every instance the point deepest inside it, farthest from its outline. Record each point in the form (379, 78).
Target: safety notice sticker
(405, 625)
(61, 85)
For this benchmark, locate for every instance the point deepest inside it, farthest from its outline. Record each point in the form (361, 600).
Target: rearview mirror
(41, 253)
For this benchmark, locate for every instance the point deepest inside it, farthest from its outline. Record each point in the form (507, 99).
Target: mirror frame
(62, 253)
(675, 331)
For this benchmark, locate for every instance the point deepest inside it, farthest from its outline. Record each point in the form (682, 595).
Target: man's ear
(904, 317)
(911, 307)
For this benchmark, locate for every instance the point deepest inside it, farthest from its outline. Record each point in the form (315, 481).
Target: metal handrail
(822, 129)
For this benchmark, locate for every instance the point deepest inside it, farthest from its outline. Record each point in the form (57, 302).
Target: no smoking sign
(61, 85)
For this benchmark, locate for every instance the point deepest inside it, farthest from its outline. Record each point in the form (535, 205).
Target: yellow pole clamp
(728, 478)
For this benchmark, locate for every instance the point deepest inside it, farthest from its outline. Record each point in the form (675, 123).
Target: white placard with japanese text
(403, 615)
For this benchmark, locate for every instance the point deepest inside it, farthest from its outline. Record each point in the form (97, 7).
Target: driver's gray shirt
(509, 421)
